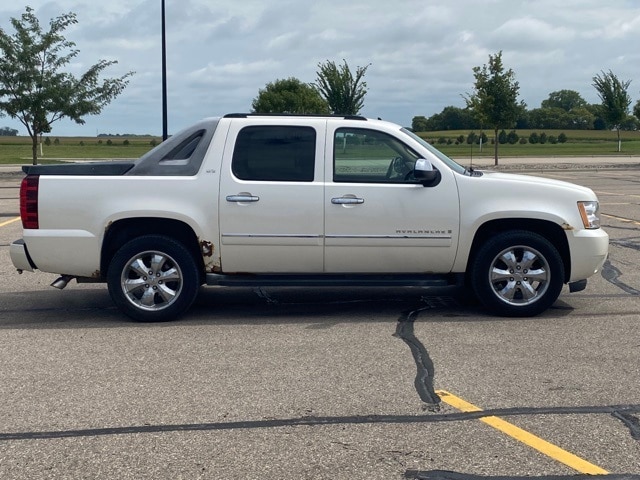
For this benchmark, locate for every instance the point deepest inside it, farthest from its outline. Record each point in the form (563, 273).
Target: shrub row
(48, 142)
(503, 137)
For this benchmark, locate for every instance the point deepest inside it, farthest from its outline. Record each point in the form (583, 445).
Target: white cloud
(226, 72)
(530, 33)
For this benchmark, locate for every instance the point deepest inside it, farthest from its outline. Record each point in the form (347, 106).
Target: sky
(421, 53)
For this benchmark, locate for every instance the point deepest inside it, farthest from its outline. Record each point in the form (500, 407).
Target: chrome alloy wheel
(151, 280)
(519, 275)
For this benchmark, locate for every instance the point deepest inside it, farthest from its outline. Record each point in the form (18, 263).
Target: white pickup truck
(304, 200)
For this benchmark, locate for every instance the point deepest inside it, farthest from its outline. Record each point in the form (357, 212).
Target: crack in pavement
(632, 423)
(320, 421)
(425, 370)
(611, 274)
(627, 243)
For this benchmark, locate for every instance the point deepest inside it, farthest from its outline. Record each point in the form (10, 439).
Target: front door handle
(347, 201)
(241, 198)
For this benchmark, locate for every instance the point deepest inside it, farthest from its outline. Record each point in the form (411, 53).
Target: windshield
(450, 163)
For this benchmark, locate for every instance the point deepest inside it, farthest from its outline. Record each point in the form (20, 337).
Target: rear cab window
(275, 153)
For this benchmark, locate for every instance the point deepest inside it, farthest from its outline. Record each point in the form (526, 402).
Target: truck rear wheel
(153, 278)
(517, 274)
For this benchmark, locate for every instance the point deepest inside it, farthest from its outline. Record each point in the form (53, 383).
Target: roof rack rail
(317, 115)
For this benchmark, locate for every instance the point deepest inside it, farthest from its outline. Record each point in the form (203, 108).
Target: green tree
(472, 138)
(567, 100)
(343, 91)
(33, 86)
(582, 118)
(495, 97)
(451, 118)
(419, 123)
(615, 100)
(543, 138)
(289, 95)
(636, 110)
(630, 123)
(8, 132)
(454, 118)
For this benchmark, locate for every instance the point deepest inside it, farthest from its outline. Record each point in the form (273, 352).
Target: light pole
(164, 78)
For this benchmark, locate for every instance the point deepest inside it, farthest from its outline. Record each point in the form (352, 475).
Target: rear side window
(185, 149)
(181, 153)
(275, 153)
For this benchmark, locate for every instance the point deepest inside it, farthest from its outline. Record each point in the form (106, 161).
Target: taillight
(29, 201)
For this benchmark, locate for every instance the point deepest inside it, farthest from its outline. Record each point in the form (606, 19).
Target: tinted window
(370, 156)
(275, 153)
(184, 149)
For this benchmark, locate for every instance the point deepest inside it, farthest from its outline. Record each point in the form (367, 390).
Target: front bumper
(589, 249)
(20, 256)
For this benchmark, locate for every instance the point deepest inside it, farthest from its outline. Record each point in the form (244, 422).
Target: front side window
(370, 156)
(275, 153)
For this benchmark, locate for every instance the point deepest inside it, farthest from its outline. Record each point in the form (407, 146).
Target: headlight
(590, 214)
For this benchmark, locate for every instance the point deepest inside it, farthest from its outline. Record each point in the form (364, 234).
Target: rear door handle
(347, 201)
(242, 198)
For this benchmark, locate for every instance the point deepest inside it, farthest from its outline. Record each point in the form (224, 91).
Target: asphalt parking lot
(326, 383)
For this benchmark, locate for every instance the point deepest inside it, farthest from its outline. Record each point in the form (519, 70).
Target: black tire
(153, 278)
(517, 274)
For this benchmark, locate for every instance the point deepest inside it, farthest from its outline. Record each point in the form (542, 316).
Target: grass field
(579, 143)
(17, 150)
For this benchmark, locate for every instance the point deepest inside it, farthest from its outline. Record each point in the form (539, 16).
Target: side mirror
(424, 172)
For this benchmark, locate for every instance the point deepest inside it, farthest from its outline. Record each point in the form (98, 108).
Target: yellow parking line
(9, 221)
(549, 449)
(622, 219)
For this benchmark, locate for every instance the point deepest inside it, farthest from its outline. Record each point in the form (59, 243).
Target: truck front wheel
(153, 278)
(518, 274)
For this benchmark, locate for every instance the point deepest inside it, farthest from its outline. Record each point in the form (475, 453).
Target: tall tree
(341, 89)
(289, 96)
(567, 100)
(494, 100)
(636, 109)
(615, 99)
(34, 88)
(419, 123)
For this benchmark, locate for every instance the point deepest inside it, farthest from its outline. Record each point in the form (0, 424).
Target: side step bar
(334, 280)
